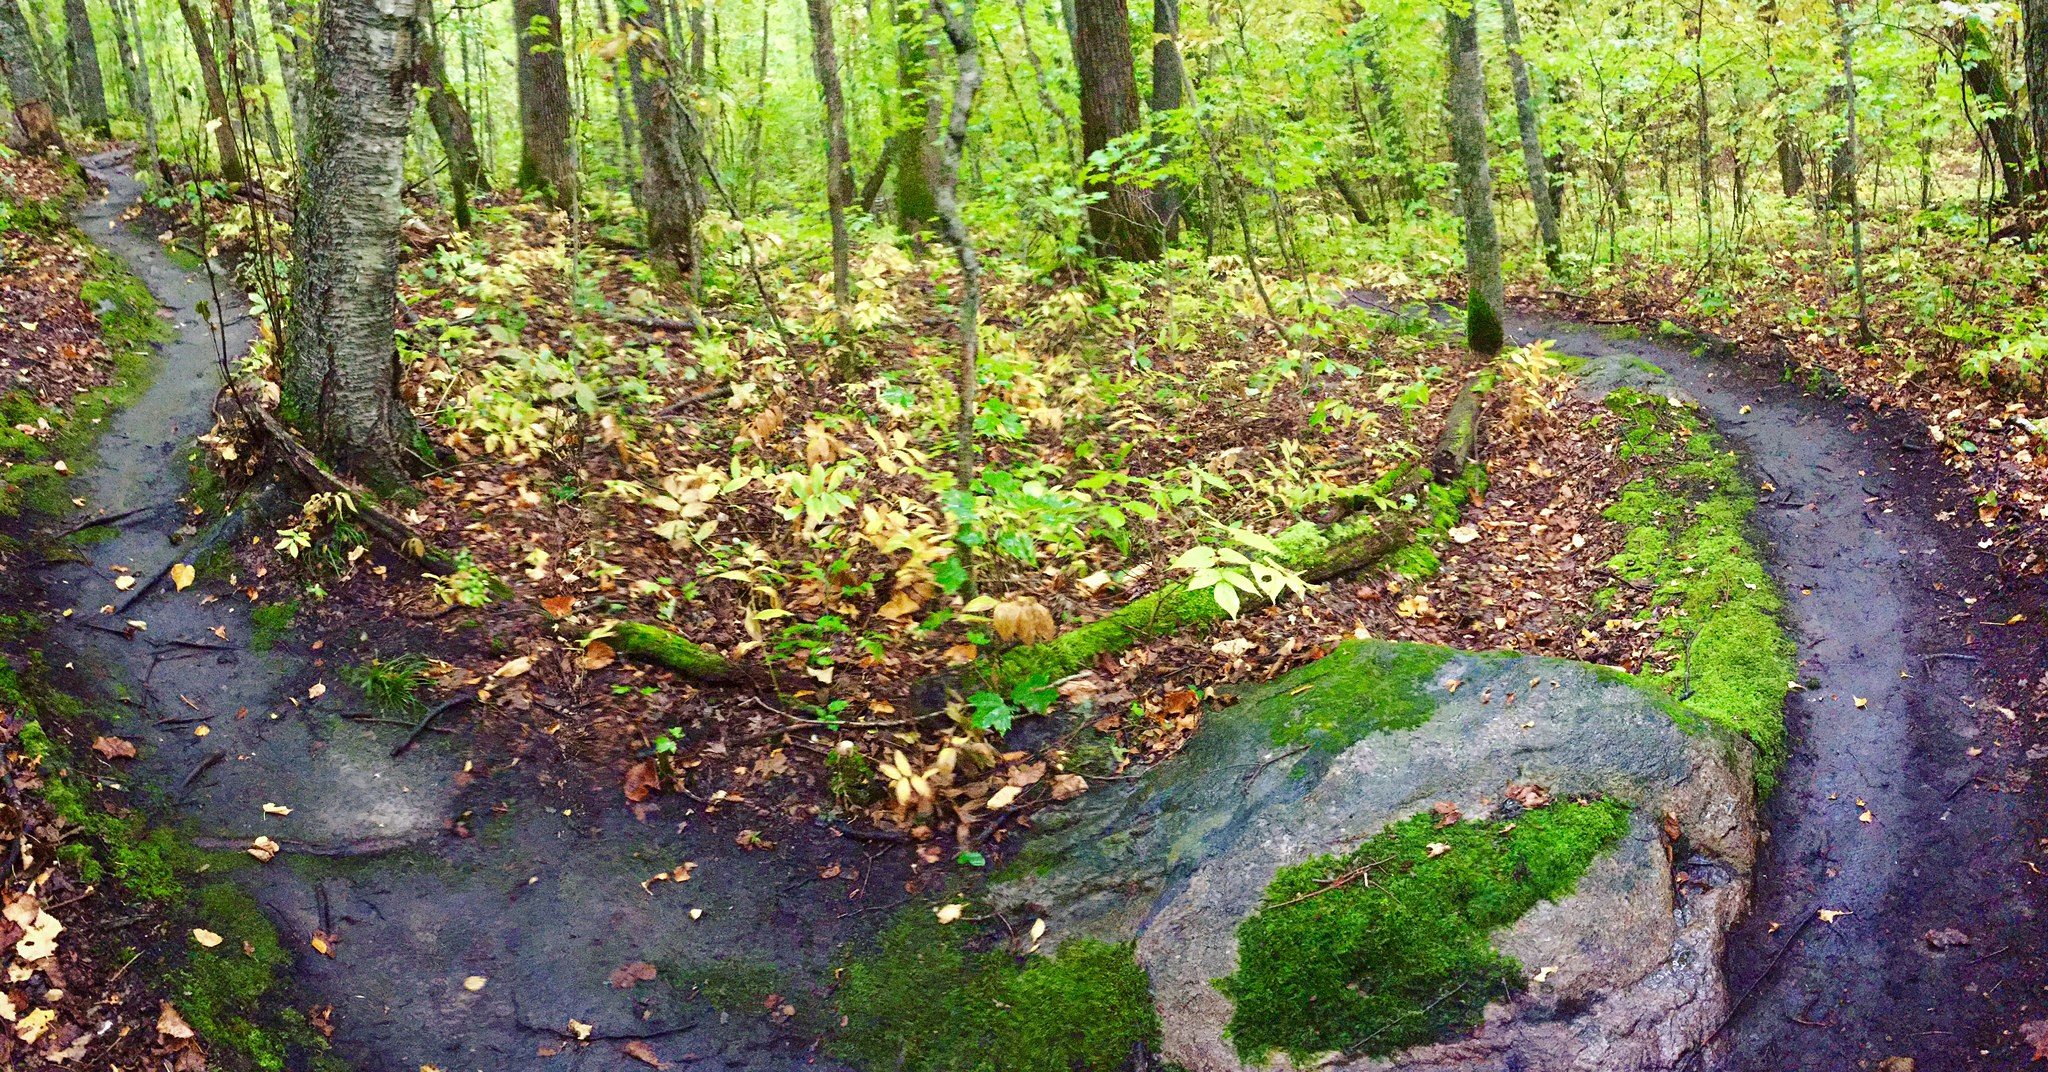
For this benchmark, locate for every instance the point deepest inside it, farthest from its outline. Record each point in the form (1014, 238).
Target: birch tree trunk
(89, 84)
(341, 355)
(964, 36)
(1532, 141)
(128, 41)
(838, 165)
(670, 198)
(25, 86)
(1466, 98)
(1122, 222)
(545, 165)
(220, 119)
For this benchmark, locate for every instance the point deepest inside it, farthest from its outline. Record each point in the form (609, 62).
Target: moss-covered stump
(1337, 865)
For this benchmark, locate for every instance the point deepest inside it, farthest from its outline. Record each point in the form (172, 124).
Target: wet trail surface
(1903, 654)
(546, 900)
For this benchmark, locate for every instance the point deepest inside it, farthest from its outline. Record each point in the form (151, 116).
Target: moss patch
(226, 993)
(1400, 953)
(1361, 688)
(270, 623)
(1714, 605)
(925, 1001)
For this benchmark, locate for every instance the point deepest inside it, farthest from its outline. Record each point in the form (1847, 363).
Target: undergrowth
(1388, 946)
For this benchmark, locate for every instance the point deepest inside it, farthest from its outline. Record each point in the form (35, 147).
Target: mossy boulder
(1300, 891)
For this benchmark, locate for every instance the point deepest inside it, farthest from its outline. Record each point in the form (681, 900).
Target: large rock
(1377, 732)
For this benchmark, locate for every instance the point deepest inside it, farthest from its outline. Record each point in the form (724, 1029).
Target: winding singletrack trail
(547, 900)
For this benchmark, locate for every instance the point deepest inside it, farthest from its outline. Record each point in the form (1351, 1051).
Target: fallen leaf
(1830, 915)
(1068, 786)
(1528, 794)
(323, 943)
(2036, 1034)
(642, 1052)
(1947, 938)
(1463, 533)
(169, 1024)
(124, 582)
(642, 779)
(276, 809)
(1446, 812)
(263, 849)
(205, 937)
(34, 1024)
(113, 748)
(627, 976)
(514, 667)
(182, 575)
(1862, 703)
(597, 655)
(579, 1030)
(474, 983)
(558, 606)
(318, 690)
(950, 912)
(1003, 798)
(1437, 848)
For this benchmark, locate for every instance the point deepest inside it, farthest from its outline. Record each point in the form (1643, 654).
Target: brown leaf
(2036, 1034)
(1528, 794)
(113, 748)
(558, 606)
(642, 780)
(642, 1052)
(597, 655)
(1947, 938)
(627, 976)
(1068, 786)
(171, 1025)
(1446, 812)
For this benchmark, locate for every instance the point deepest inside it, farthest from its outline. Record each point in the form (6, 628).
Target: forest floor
(584, 467)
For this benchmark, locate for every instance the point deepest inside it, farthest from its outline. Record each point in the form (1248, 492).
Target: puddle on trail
(545, 901)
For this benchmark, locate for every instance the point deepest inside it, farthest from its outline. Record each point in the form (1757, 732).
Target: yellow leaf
(205, 937)
(950, 913)
(515, 667)
(1830, 915)
(182, 575)
(474, 983)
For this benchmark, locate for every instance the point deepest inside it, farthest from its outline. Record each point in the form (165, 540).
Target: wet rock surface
(1180, 857)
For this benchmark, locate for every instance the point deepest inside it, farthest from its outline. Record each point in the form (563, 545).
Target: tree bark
(545, 165)
(2036, 14)
(1985, 80)
(1846, 31)
(341, 355)
(965, 38)
(55, 72)
(135, 64)
(248, 67)
(287, 36)
(911, 146)
(451, 121)
(222, 120)
(838, 165)
(32, 112)
(1169, 71)
(1122, 221)
(1532, 142)
(89, 83)
(1485, 300)
(670, 198)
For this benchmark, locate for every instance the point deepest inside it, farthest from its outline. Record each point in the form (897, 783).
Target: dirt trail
(546, 900)
(1889, 606)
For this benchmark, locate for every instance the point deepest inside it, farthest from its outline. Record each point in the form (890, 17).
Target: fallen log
(665, 647)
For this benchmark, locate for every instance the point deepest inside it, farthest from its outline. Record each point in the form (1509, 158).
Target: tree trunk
(670, 198)
(55, 75)
(1122, 222)
(222, 120)
(1847, 39)
(451, 121)
(248, 68)
(32, 112)
(961, 31)
(88, 83)
(911, 146)
(1168, 74)
(1485, 300)
(1532, 141)
(135, 65)
(2036, 12)
(287, 36)
(838, 166)
(341, 357)
(545, 165)
(1985, 80)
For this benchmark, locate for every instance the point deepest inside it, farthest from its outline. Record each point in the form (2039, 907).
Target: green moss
(670, 649)
(925, 1001)
(270, 623)
(1361, 688)
(1401, 953)
(1483, 333)
(223, 989)
(1716, 608)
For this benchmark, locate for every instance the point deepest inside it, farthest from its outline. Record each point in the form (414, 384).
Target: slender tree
(671, 199)
(89, 84)
(1846, 39)
(55, 75)
(1532, 141)
(965, 39)
(341, 355)
(128, 42)
(1168, 72)
(450, 119)
(1122, 221)
(221, 121)
(838, 163)
(545, 164)
(1485, 301)
(1984, 77)
(33, 115)
(287, 35)
(2035, 13)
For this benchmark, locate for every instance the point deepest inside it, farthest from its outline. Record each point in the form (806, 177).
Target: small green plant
(1225, 572)
(468, 585)
(995, 712)
(391, 686)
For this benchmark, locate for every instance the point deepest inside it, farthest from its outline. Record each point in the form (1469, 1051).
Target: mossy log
(652, 643)
(1459, 443)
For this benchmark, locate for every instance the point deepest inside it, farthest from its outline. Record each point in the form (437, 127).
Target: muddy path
(1908, 672)
(544, 899)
